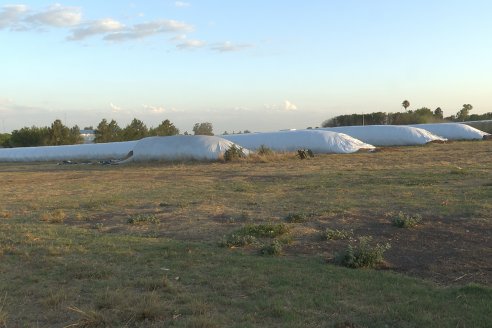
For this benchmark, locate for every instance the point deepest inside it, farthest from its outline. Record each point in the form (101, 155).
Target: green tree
(5, 140)
(29, 137)
(438, 113)
(463, 114)
(405, 104)
(203, 129)
(166, 128)
(59, 134)
(107, 132)
(136, 130)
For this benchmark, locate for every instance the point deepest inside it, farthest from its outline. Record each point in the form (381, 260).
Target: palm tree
(405, 104)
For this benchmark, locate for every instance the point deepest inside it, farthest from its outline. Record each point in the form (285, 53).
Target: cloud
(57, 16)
(140, 31)
(101, 26)
(190, 44)
(229, 46)
(288, 106)
(114, 108)
(182, 4)
(10, 15)
(154, 109)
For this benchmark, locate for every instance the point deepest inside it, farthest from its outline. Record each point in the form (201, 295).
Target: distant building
(88, 135)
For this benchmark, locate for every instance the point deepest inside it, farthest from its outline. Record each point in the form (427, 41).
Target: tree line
(418, 116)
(59, 134)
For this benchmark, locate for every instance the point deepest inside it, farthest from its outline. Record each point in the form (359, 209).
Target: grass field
(250, 243)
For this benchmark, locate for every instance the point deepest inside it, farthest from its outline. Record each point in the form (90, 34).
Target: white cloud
(114, 108)
(10, 15)
(190, 44)
(285, 106)
(154, 109)
(288, 106)
(182, 4)
(229, 46)
(140, 31)
(57, 16)
(101, 26)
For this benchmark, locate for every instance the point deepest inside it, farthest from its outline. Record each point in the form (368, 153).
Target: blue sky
(257, 65)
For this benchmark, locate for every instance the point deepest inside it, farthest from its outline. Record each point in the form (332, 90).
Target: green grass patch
(403, 220)
(143, 219)
(337, 234)
(363, 254)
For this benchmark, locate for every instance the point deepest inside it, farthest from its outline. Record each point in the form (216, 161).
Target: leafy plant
(237, 240)
(335, 234)
(264, 151)
(403, 220)
(143, 219)
(296, 217)
(304, 153)
(362, 255)
(57, 216)
(268, 230)
(274, 248)
(233, 153)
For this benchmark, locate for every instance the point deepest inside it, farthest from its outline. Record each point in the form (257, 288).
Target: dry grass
(90, 267)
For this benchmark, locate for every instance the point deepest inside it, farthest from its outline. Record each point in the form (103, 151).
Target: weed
(98, 226)
(88, 318)
(233, 153)
(335, 234)
(363, 255)
(268, 230)
(296, 217)
(237, 240)
(304, 153)
(57, 216)
(143, 219)
(458, 170)
(274, 248)
(3, 312)
(403, 220)
(264, 151)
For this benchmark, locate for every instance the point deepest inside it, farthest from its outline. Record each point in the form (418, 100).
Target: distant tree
(29, 137)
(438, 113)
(246, 131)
(405, 104)
(166, 128)
(135, 130)
(464, 112)
(107, 132)
(89, 127)
(203, 129)
(59, 134)
(480, 117)
(225, 133)
(5, 140)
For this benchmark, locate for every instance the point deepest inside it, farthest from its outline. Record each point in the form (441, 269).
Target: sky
(259, 65)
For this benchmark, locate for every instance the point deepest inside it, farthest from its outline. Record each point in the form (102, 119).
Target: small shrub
(268, 230)
(403, 220)
(274, 248)
(335, 234)
(296, 217)
(233, 153)
(143, 219)
(264, 151)
(57, 216)
(237, 240)
(362, 255)
(458, 170)
(304, 153)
